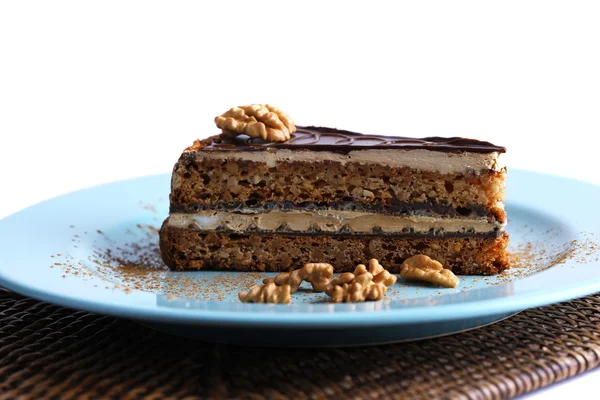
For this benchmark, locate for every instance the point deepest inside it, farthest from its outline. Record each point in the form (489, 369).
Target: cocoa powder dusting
(130, 260)
(137, 265)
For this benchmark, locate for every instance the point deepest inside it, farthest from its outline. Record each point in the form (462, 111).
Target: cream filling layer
(328, 221)
(419, 159)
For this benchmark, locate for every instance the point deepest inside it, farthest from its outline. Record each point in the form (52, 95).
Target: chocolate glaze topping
(330, 139)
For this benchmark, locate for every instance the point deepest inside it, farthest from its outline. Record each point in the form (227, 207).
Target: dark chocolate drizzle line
(396, 208)
(330, 139)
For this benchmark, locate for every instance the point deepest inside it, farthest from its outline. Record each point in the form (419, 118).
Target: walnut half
(268, 293)
(318, 274)
(362, 285)
(423, 268)
(262, 121)
(293, 279)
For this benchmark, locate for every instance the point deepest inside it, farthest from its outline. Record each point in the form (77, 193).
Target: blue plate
(70, 251)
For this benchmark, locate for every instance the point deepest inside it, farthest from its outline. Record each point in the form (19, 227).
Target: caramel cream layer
(419, 159)
(328, 221)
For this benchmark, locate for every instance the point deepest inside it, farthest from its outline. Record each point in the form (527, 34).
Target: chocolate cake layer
(188, 249)
(210, 178)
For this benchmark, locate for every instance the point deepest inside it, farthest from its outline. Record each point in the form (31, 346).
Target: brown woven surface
(53, 352)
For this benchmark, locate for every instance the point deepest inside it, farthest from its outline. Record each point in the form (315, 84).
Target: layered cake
(334, 196)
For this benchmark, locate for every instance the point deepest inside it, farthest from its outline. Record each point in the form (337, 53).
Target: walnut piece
(361, 285)
(319, 275)
(423, 268)
(267, 293)
(200, 144)
(346, 277)
(262, 121)
(293, 279)
(380, 274)
(359, 290)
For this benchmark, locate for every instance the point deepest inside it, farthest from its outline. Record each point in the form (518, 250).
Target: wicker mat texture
(53, 352)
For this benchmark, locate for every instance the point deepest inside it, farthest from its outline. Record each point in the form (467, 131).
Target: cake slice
(335, 196)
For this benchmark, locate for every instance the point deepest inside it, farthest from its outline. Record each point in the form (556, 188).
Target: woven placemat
(53, 352)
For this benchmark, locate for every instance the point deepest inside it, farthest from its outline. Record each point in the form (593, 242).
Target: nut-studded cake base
(188, 249)
(212, 180)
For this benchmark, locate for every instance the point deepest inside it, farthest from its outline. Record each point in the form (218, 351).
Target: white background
(92, 92)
